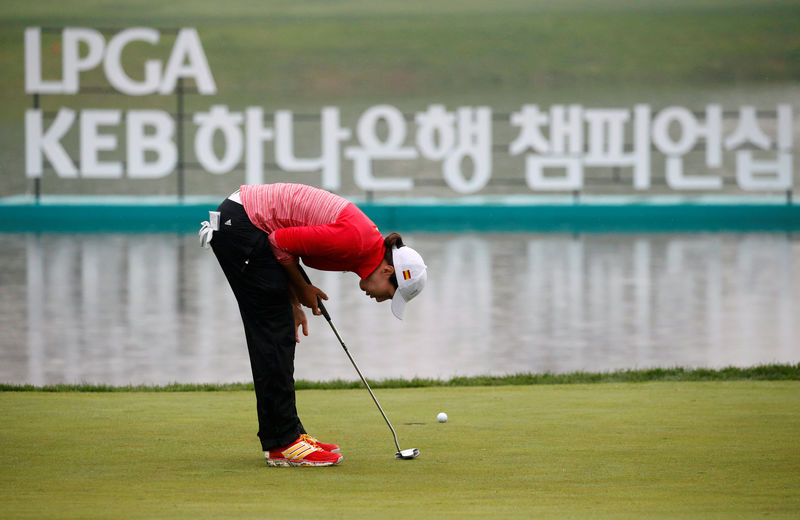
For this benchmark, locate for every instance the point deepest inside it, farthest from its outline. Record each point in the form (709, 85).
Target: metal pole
(179, 137)
(37, 182)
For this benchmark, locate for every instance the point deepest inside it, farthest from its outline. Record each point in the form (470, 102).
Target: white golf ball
(442, 417)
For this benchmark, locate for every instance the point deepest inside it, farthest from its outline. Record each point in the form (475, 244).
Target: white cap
(411, 274)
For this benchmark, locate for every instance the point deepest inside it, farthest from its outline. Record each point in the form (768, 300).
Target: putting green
(707, 450)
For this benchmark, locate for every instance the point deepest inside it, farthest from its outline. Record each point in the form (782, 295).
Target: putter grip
(322, 308)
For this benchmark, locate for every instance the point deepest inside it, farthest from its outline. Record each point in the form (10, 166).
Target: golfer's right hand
(308, 297)
(300, 322)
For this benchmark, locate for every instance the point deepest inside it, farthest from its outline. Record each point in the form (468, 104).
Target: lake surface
(155, 308)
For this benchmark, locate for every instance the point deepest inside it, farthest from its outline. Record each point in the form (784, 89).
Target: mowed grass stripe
(661, 449)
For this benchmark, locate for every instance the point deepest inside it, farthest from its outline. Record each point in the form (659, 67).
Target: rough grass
(774, 372)
(657, 450)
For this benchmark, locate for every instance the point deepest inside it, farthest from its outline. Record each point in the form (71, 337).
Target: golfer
(258, 234)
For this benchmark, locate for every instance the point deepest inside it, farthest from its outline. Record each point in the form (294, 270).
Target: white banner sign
(556, 143)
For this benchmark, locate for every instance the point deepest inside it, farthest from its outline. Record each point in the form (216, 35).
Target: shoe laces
(310, 440)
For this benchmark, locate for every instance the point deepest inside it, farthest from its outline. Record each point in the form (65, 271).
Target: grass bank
(285, 51)
(354, 54)
(659, 449)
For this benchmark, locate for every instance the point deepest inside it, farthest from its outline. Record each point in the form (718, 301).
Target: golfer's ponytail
(393, 240)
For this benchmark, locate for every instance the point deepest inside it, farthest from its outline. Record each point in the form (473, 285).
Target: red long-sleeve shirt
(329, 233)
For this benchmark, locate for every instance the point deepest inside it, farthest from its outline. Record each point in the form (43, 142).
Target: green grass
(757, 373)
(725, 449)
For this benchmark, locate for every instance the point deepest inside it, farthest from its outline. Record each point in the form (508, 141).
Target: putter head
(410, 453)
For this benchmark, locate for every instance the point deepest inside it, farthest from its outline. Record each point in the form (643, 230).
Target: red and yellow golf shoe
(302, 452)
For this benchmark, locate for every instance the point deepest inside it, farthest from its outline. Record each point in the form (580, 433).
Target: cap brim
(398, 305)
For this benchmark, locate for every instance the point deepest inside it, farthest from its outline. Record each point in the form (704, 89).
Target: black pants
(261, 288)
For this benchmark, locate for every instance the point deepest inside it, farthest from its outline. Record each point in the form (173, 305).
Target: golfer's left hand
(300, 321)
(308, 297)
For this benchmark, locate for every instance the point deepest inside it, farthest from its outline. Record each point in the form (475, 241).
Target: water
(154, 309)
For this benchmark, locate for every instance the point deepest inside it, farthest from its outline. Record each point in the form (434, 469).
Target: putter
(410, 453)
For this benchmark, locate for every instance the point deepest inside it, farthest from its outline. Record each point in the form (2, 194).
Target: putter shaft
(363, 379)
(327, 316)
